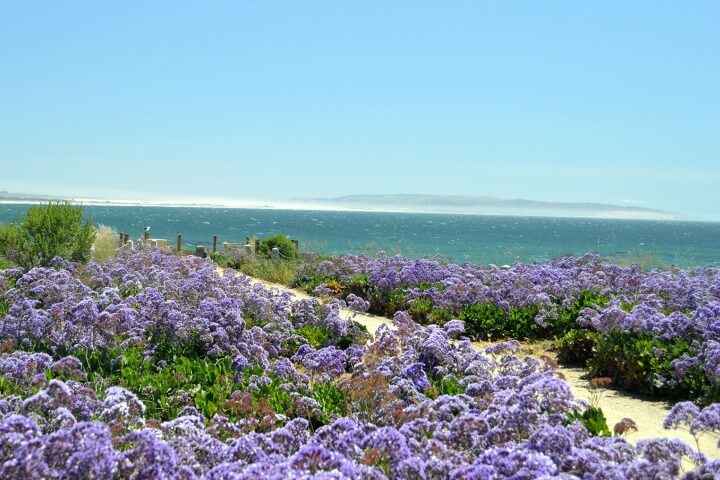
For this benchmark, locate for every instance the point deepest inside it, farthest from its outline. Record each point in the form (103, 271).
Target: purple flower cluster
(671, 305)
(326, 363)
(356, 303)
(22, 367)
(558, 282)
(510, 421)
(158, 296)
(447, 438)
(687, 414)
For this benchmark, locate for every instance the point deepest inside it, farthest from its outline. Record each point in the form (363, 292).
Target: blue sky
(613, 102)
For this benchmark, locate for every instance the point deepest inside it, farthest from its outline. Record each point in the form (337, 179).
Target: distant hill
(23, 197)
(487, 205)
(467, 204)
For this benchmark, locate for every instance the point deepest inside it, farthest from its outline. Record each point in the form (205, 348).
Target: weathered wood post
(214, 244)
(146, 235)
(275, 253)
(200, 251)
(297, 247)
(179, 243)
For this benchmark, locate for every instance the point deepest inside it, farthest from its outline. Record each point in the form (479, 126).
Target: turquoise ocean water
(459, 238)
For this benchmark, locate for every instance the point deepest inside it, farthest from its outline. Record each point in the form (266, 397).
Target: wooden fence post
(179, 243)
(214, 244)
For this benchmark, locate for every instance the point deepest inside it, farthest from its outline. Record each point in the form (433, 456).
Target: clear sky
(612, 101)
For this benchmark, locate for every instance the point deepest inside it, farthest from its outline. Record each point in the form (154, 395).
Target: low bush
(420, 310)
(331, 399)
(281, 242)
(358, 285)
(487, 321)
(484, 321)
(447, 385)
(47, 231)
(576, 347)
(642, 363)
(386, 302)
(316, 336)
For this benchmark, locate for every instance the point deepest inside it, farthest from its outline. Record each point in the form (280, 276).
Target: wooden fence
(250, 247)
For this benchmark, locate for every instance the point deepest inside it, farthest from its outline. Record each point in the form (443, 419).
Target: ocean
(458, 238)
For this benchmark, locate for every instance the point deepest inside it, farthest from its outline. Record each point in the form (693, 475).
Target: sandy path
(616, 405)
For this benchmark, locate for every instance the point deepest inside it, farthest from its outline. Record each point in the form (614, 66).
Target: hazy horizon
(437, 204)
(563, 102)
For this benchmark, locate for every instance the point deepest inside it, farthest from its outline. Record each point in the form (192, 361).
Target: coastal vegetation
(153, 365)
(280, 270)
(105, 244)
(274, 271)
(150, 364)
(285, 247)
(652, 332)
(55, 229)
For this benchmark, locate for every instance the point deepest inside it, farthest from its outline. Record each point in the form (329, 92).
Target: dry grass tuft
(106, 243)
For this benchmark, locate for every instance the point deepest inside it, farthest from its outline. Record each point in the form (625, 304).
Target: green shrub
(309, 284)
(358, 285)
(488, 321)
(164, 388)
(484, 321)
(441, 316)
(167, 346)
(576, 347)
(4, 308)
(283, 243)
(331, 399)
(47, 231)
(522, 324)
(593, 419)
(641, 363)
(317, 337)
(211, 385)
(447, 385)
(387, 303)
(420, 310)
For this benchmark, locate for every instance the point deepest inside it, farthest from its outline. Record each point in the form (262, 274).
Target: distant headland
(408, 203)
